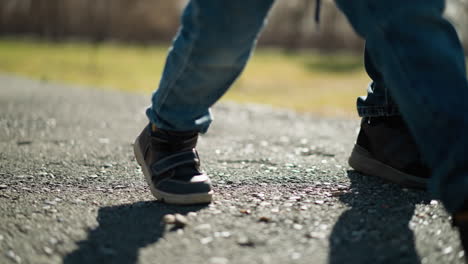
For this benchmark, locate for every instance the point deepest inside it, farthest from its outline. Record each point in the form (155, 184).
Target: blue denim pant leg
(421, 59)
(209, 52)
(378, 101)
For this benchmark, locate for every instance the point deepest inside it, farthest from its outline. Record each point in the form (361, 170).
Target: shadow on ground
(122, 231)
(376, 227)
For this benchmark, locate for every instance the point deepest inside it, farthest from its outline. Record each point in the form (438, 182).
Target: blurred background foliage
(122, 44)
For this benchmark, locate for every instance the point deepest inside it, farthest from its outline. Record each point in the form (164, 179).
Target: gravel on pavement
(71, 191)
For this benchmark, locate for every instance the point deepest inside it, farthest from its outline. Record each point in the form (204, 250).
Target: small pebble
(3, 186)
(53, 241)
(259, 195)
(52, 210)
(245, 242)
(24, 228)
(218, 260)
(191, 214)
(315, 235)
(294, 198)
(447, 250)
(224, 234)
(206, 240)
(50, 202)
(244, 211)
(297, 226)
(180, 221)
(48, 250)
(12, 255)
(78, 201)
(169, 219)
(296, 255)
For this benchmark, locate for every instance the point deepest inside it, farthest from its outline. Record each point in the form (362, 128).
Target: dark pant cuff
(374, 111)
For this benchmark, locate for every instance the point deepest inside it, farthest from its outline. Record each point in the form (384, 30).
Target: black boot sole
(362, 161)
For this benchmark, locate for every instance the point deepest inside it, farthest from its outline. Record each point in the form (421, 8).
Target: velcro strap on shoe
(173, 161)
(163, 145)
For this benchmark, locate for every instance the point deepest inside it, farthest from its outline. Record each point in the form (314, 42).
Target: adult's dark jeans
(378, 101)
(418, 56)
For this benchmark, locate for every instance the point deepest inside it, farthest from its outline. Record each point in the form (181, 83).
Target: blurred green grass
(326, 84)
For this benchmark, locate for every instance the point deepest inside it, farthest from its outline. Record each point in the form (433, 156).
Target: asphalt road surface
(71, 191)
